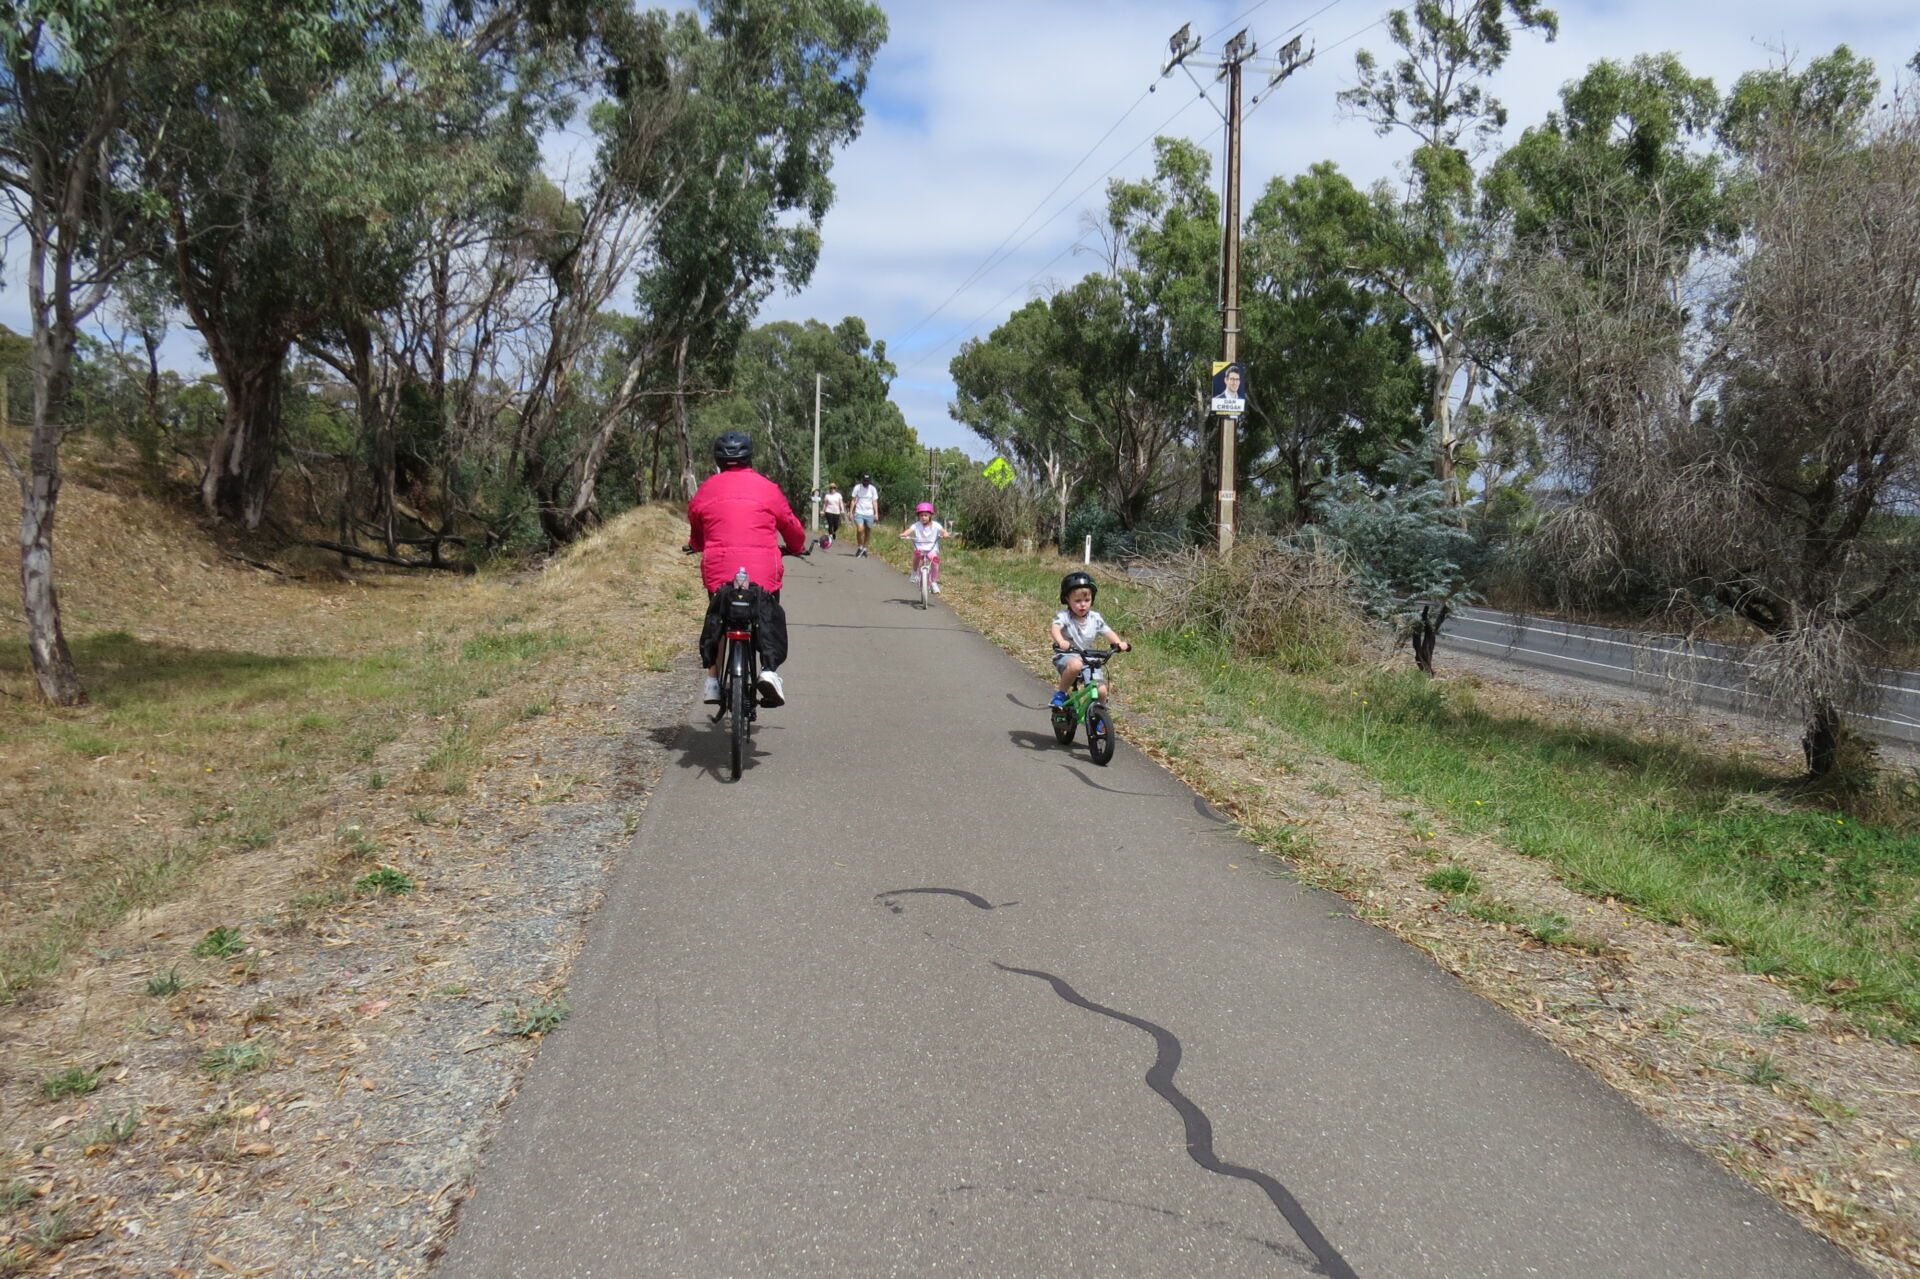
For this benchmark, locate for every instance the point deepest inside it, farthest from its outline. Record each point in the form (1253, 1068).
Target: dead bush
(1294, 606)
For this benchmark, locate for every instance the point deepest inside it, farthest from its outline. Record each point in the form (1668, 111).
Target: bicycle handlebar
(1102, 653)
(798, 555)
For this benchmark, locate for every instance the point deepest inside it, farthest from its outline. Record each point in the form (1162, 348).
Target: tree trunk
(689, 484)
(1446, 366)
(377, 430)
(53, 344)
(1822, 740)
(646, 465)
(53, 667)
(240, 463)
(1426, 635)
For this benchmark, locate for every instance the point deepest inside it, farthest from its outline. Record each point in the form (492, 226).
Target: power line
(1355, 36)
(1001, 252)
(988, 263)
(935, 350)
(1310, 17)
(1004, 298)
(1234, 22)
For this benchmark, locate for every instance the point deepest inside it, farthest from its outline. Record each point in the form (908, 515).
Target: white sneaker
(710, 690)
(936, 588)
(772, 691)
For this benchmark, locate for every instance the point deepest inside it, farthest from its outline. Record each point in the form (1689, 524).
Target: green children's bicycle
(1086, 703)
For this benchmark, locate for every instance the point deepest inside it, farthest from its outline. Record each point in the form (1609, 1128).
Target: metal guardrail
(1715, 674)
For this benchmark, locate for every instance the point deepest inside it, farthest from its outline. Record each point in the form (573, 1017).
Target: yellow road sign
(998, 473)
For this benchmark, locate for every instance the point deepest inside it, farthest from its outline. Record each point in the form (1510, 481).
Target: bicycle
(1086, 703)
(739, 666)
(923, 575)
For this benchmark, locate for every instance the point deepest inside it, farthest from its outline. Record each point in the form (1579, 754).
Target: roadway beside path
(926, 994)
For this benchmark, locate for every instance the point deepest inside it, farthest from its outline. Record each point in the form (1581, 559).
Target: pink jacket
(741, 517)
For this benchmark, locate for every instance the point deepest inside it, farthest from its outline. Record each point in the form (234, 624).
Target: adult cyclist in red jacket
(741, 519)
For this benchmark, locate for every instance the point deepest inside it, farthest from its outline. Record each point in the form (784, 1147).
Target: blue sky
(982, 113)
(977, 111)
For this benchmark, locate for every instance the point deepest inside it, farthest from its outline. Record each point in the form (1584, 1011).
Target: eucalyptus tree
(772, 397)
(780, 90)
(77, 80)
(417, 163)
(1643, 131)
(1745, 440)
(1108, 377)
(1329, 350)
(69, 176)
(254, 205)
(1008, 392)
(733, 179)
(1431, 244)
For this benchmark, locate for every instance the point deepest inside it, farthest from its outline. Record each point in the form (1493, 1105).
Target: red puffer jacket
(741, 517)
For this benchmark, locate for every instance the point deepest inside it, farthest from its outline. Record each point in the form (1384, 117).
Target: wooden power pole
(815, 526)
(1234, 56)
(1228, 424)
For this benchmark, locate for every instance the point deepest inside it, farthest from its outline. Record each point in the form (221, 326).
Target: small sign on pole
(998, 473)
(1229, 388)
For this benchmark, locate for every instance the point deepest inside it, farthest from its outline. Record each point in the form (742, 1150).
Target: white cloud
(978, 110)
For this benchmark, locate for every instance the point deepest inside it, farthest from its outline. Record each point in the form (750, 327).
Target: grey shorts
(863, 521)
(1060, 661)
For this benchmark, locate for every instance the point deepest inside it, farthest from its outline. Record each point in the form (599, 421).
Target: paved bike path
(924, 994)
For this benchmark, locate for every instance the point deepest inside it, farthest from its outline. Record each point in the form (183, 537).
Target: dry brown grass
(481, 737)
(1291, 606)
(226, 700)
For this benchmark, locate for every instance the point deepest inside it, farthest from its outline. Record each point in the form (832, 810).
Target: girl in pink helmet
(925, 533)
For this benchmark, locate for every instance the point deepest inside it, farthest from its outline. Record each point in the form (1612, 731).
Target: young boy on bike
(925, 533)
(1077, 626)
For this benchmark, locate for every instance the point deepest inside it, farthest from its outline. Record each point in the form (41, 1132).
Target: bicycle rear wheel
(1099, 733)
(737, 694)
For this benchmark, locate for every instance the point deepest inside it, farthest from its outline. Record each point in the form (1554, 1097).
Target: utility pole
(1228, 424)
(815, 526)
(1233, 58)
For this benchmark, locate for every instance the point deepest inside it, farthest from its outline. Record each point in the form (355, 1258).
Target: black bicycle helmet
(1074, 581)
(733, 448)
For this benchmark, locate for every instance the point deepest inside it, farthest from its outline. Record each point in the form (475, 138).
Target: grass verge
(216, 736)
(1823, 898)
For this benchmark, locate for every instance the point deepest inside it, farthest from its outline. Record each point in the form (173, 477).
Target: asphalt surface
(925, 994)
(1700, 671)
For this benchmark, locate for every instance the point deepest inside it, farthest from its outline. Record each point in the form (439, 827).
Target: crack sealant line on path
(765, 1076)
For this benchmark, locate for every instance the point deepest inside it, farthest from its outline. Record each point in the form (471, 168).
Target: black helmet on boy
(732, 449)
(1074, 581)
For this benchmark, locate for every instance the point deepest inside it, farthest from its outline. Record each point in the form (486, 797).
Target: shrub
(1292, 605)
(1113, 541)
(990, 516)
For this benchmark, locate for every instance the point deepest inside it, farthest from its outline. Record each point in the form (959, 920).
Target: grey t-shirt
(1081, 634)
